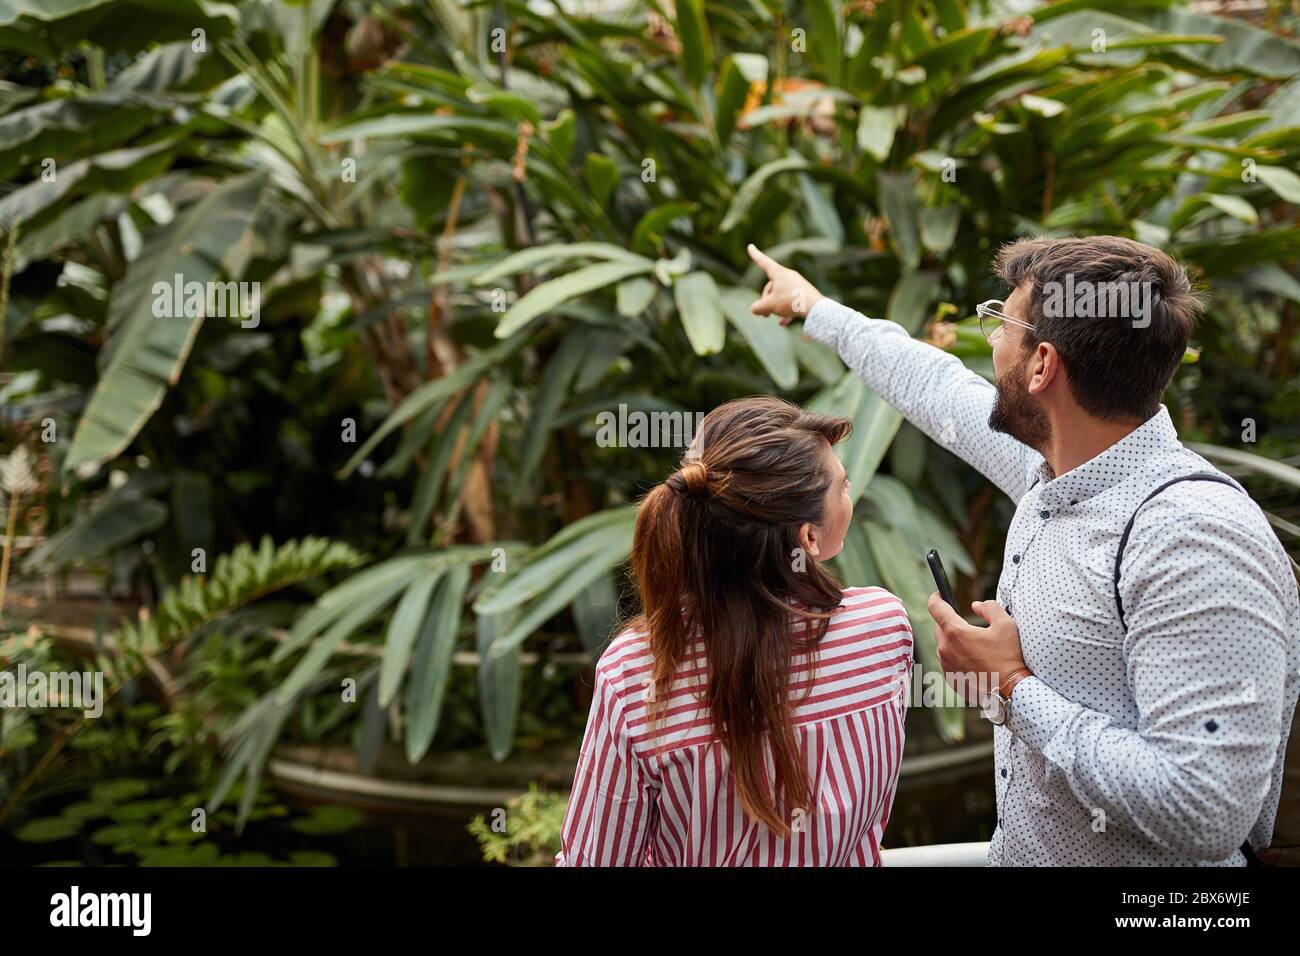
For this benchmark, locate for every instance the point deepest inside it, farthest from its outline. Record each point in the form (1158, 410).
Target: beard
(1016, 414)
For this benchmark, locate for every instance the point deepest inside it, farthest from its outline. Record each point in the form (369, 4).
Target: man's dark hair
(1118, 368)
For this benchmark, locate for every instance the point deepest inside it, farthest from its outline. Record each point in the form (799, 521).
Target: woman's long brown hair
(714, 557)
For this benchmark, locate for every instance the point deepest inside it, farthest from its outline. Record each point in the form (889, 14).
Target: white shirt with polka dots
(1161, 744)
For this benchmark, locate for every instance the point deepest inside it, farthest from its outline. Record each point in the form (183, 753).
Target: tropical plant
(525, 832)
(236, 581)
(526, 219)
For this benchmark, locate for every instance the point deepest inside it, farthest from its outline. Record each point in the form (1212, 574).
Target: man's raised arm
(933, 389)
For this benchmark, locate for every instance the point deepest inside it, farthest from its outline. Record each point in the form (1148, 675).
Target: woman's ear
(810, 539)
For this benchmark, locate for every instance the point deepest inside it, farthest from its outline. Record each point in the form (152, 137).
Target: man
(1140, 720)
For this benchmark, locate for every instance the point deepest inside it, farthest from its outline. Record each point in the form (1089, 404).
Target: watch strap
(1008, 684)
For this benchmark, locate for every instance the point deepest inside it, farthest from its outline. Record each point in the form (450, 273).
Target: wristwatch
(996, 705)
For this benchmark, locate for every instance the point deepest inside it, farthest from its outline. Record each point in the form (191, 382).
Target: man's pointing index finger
(764, 261)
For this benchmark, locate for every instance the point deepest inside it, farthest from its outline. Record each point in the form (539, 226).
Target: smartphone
(941, 578)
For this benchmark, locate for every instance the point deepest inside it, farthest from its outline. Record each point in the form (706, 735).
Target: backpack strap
(1128, 528)
(1247, 850)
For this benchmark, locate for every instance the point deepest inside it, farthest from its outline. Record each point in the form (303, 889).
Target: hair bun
(692, 479)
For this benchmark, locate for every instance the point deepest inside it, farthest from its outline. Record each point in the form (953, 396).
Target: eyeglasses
(992, 317)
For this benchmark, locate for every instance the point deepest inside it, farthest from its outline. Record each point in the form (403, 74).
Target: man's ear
(1043, 368)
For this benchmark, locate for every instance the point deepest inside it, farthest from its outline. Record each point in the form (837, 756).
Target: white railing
(939, 854)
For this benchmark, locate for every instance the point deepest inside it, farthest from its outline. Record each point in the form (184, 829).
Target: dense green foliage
(477, 226)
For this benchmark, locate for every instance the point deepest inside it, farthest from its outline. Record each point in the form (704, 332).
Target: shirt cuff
(1038, 712)
(825, 320)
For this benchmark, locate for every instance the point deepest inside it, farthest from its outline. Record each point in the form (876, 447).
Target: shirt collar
(1128, 456)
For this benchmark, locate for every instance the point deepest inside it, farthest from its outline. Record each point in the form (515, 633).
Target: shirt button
(1015, 559)
(1044, 515)
(1004, 773)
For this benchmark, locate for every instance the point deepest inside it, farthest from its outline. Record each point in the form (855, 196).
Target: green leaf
(825, 42)
(122, 515)
(733, 91)
(510, 106)
(1258, 464)
(700, 307)
(822, 214)
(68, 127)
(634, 296)
(431, 394)
(854, 564)
(48, 830)
(119, 170)
(428, 487)
(876, 128)
(767, 338)
(327, 820)
(433, 661)
(940, 536)
(498, 684)
(613, 550)
(875, 423)
(697, 44)
(405, 625)
(1234, 206)
(1274, 279)
(595, 612)
(899, 203)
(544, 568)
(542, 258)
(1042, 106)
(548, 295)
(166, 67)
(1244, 47)
(909, 303)
(322, 648)
(560, 133)
(144, 354)
(939, 227)
(1282, 181)
(374, 588)
(649, 232)
(550, 398)
(416, 124)
(1228, 126)
(753, 187)
(50, 28)
(906, 575)
(822, 361)
(894, 502)
(602, 177)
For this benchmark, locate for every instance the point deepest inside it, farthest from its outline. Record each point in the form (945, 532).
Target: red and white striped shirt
(670, 799)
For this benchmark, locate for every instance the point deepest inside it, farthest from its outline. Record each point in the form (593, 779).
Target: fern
(526, 832)
(237, 579)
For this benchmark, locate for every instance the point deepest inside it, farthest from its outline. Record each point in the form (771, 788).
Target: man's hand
(966, 651)
(787, 293)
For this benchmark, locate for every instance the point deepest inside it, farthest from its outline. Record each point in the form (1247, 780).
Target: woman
(753, 713)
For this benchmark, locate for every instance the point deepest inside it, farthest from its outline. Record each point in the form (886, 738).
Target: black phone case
(941, 578)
